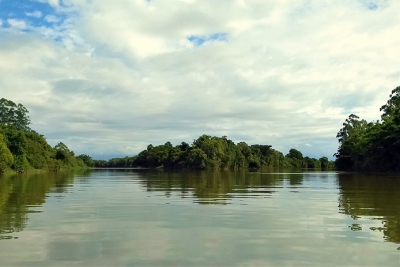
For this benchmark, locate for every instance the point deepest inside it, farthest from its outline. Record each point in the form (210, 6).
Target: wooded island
(216, 153)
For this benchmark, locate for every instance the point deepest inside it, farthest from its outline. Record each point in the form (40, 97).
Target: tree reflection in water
(213, 187)
(20, 194)
(374, 197)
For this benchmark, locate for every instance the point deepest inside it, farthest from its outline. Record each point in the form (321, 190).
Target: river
(156, 218)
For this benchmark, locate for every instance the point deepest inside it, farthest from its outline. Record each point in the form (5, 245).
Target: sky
(107, 78)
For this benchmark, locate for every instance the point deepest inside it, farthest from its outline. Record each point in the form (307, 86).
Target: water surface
(148, 218)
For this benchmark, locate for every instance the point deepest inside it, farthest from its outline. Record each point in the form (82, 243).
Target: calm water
(130, 218)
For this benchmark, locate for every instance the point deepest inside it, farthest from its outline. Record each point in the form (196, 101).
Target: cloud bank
(109, 77)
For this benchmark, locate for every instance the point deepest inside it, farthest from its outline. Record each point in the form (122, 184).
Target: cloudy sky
(109, 77)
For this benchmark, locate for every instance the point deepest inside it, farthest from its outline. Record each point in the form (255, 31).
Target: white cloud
(51, 19)
(53, 3)
(123, 73)
(17, 23)
(35, 14)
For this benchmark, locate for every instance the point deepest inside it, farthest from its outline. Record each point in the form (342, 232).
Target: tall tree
(391, 110)
(14, 114)
(371, 146)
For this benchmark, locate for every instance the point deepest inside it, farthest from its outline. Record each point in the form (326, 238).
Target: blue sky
(51, 14)
(32, 12)
(200, 40)
(109, 77)
(47, 13)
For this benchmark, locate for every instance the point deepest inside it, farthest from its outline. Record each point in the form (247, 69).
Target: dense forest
(371, 146)
(216, 153)
(22, 149)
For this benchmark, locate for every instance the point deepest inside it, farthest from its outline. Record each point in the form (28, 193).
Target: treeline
(211, 152)
(371, 146)
(22, 149)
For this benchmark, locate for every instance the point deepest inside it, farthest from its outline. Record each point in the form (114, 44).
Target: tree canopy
(371, 146)
(212, 152)
(22, 149)
(14, 114)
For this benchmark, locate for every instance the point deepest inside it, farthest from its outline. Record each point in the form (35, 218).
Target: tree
(211, 152)
(354, 142)
(38, 151)
(312, 163)
(197, 159)
(183, 146)
(294, 154)
(86, 159)
(64, 154)
(391, 110)
(295, 159)
(387, 139)
(14, 114)
(324, 161)
(174, 158)
(16, 142)
(262, 152)
(371, 146)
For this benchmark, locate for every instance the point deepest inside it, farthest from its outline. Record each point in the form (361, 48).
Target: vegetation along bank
(216, 153)
(22, 149)
(371, 146)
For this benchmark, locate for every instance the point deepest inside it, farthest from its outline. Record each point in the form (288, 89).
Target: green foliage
(391, 110)
(16, 140)
(28, 149)
(38, 152)
(295, 154)
(311, 163)
(16, 143)
(371, 146)
(211, 152)
(54, 165)
(14, 114)
(64, 154)
(20, 163)
(6, 158)
(101, 163)
(213, 148)
(196, 159)
(87, 160)
(295, 158)
(118, 162)
(67, 157)
(325, 163)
